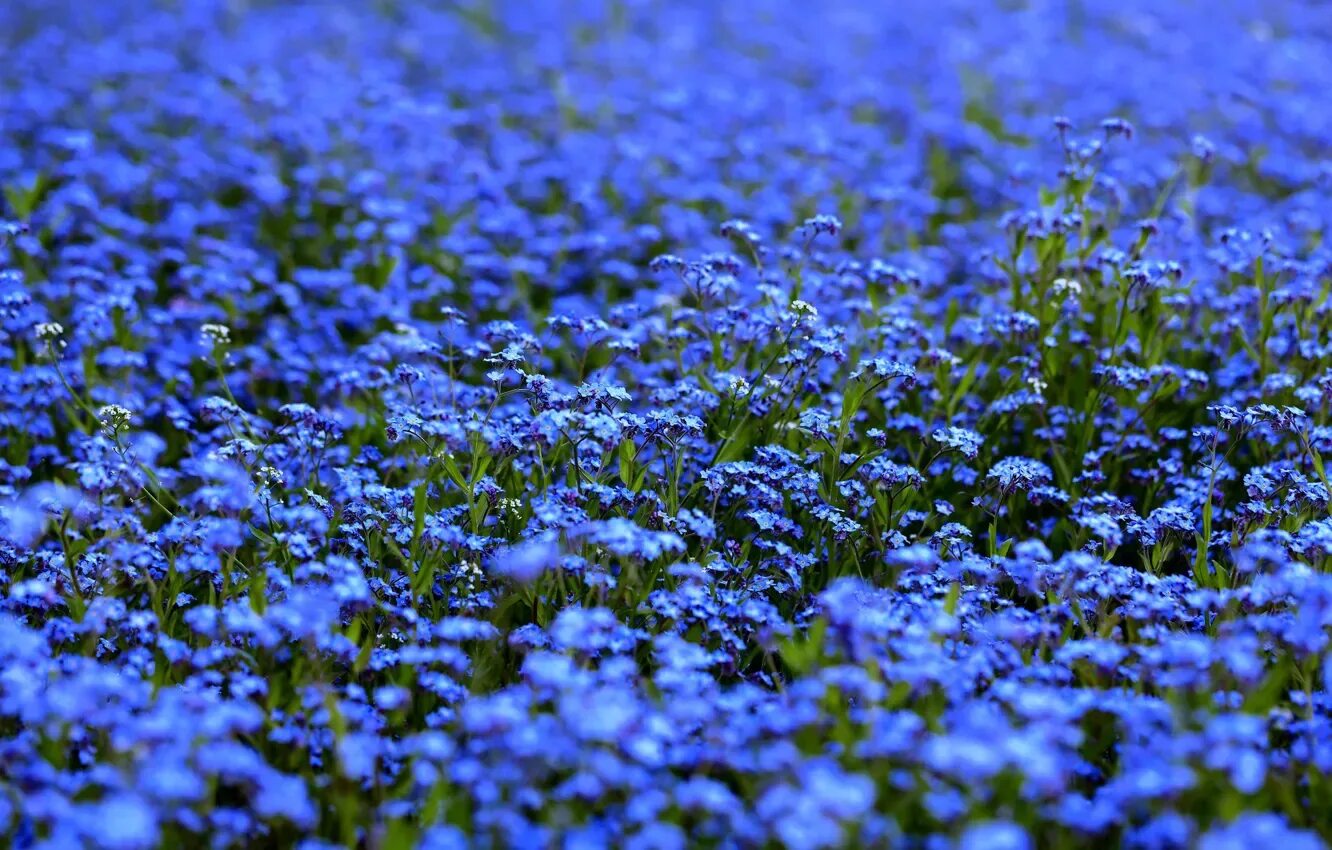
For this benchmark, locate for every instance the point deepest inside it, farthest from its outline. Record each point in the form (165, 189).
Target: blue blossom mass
(628, 424)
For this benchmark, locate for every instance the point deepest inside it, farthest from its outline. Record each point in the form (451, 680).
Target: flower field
(627, 424)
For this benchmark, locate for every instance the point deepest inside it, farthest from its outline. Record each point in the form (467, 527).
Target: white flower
(470, 573)
(1063, 286)
(214, 334)
(114, 419)
(50, 333)
(801, 307)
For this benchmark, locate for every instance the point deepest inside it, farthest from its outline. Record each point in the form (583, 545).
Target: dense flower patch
(627, 424)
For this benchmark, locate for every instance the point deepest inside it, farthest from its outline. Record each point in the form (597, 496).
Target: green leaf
(735, 447)
(455, 474)
(1200, 573)
(954, 594)
(963, 385)
(1273, 688)
(481, 465)
(419, 504)
(627, 450)
(401, 835)
(851, 400)
(800, 653)
(24, 201)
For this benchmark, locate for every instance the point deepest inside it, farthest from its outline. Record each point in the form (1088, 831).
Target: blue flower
(123, 822)
(525, 562)
(994, 835)
(1258, 829)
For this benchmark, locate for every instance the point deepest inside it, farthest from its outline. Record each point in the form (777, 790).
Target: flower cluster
(599, 424)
